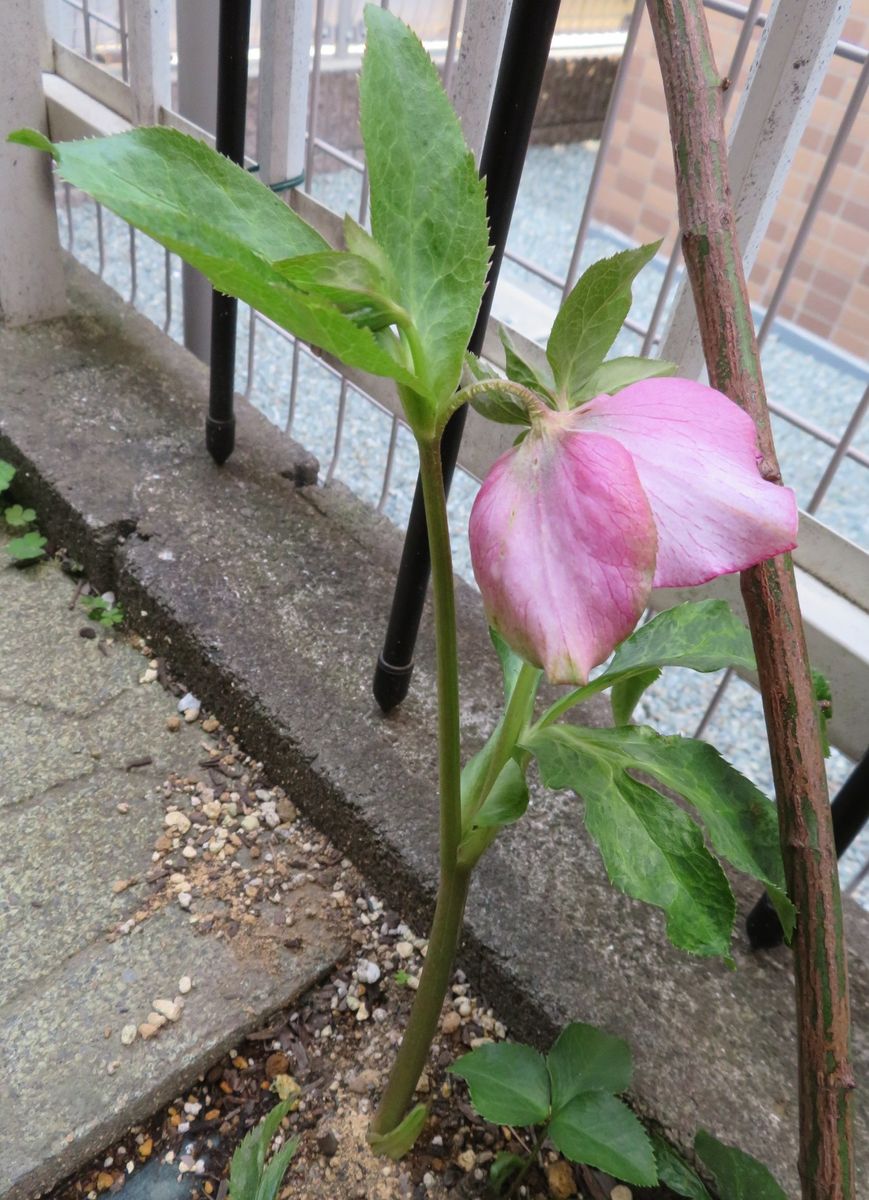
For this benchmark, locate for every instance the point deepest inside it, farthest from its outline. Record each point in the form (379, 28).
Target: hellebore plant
(623, 479)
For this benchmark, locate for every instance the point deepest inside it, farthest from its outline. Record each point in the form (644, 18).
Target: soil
(333, 1049)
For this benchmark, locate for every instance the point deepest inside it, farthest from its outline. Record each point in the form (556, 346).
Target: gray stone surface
(71, 720)
(271, 600)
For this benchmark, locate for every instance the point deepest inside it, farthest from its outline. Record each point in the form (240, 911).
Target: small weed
(29, 547)
(102, 611)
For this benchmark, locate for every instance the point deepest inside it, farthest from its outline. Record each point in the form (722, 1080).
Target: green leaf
(592, 315)
(400, 1140)
(509, 1083)
(248, 1161)
(350, 282)
(651, 848)
(273, 1176)
(617, 373)
(585, 1059)
(626, 693)
(703, 635)
(675, 1173)
(7, 474)
(507, 799)
(511, 662)
(502, 1170)
(741, 821)
(428, 209)
(16, 516)
(360, 242)
(224, 222)
(737, 1174)
(599, 1130)
(27, 548)
(824, 698)
(522, 372)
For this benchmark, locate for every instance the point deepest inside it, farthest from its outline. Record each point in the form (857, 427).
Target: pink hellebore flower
(655, 486)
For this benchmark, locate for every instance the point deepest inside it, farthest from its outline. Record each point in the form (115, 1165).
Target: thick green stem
(713, 260)
(454, 879)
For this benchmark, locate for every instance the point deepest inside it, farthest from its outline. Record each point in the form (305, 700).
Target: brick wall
(829, 292)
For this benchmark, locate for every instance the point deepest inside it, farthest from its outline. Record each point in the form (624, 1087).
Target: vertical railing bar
(841, 450)
(122, 35)
(101, 244)
(712, 706)
(86, 22)
(605, 139)
(251, 352)
(452, 38)
(832, 161)
(147, 37)
(67, 203)
(315, 93)
(294, 385)
(339, 432)
(168, 273)
(134, 276)
(741, 49)
(661, 302)
(390, 462)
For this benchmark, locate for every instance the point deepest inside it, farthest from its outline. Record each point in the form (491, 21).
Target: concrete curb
(269, 600)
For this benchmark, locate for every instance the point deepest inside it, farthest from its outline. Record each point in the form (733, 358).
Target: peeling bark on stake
(693, 92)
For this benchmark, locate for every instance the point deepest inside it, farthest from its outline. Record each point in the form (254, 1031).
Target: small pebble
(467, 1160)
(185, 899)
(177, 820)
(185, 983)
(168, 1009)
(403, 949)
(123, 807)
(327, 1144)
(173, 724)
(128, 1035)
(88, 632)
(147, 1031)
(620, 1192)
(367, 971)
(191, 715)
(451, 1023)
(363, 1081)
(559, 1177)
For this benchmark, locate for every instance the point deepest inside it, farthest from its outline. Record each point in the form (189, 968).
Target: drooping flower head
(656, 486)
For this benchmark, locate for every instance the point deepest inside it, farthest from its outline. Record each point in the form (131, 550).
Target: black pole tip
(391, 683)
(220, 438)
(763, 926)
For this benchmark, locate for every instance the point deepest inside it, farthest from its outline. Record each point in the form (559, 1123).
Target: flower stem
(454, 879)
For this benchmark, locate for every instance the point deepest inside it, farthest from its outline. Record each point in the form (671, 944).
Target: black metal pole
(850, 813)
(234, 39)
(520, 76)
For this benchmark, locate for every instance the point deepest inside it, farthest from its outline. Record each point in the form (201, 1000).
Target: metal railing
(81, 100)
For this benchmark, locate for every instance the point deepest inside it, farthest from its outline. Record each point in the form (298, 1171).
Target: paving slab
(270, 599)
(79, 824)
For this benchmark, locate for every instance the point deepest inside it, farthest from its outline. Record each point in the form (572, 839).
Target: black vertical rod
(520, 75)
(850, 813)
(234, 39)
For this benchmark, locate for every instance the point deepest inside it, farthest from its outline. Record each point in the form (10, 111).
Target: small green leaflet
(626, 693)
(428, 208)
(617, 373)
(824, 698)
(520, 371)
(350, 282)
(507, 799)
(398, 1141)
(248, 1161)
(652, 849)
(16, 516)
(738, 1176)
(508, 1082)
(585, 1059)
(590, 318)
(503, 1169)
(223, 221)
(7, 474)
(600, 1130)
(28, 548)
(495, 405)
(676, 1173)
(511, 662)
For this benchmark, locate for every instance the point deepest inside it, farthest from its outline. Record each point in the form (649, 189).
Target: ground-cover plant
(570, 1097)
(105, 612)
(29, 544)
(623, 478)
(251, 1177)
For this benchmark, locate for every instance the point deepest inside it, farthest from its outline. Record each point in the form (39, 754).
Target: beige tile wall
(829, 292)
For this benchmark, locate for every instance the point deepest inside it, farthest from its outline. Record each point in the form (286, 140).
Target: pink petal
(696, 455)
(563, 547)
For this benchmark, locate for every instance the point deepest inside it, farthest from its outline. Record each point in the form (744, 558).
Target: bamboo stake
(693, 90)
